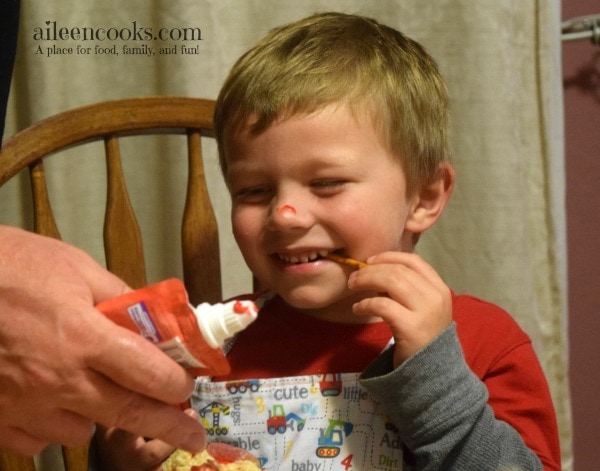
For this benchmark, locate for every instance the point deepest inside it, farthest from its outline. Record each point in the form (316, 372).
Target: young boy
(332, 140)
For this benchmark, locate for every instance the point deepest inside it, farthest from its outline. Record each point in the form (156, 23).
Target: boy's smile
(309, 185)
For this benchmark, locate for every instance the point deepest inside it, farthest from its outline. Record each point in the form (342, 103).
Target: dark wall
(581, 79)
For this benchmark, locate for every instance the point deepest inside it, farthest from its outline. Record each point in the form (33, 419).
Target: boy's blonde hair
(332, 58)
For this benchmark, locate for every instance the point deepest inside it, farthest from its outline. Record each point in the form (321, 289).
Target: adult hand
(64, 366)
(413, 299)
(119, 450)
(122, 451)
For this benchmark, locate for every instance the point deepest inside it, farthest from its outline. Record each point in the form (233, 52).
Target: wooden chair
(109, 121)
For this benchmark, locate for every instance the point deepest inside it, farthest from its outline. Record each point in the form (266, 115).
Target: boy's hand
(412, 299)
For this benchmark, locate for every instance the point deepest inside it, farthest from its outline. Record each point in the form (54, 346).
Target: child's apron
(304, 423)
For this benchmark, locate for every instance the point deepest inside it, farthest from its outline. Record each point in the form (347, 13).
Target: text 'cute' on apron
(302, 423)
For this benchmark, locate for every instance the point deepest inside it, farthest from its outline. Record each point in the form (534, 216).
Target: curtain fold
(503, 236)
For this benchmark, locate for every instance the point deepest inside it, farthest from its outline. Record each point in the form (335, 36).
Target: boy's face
(309, 185)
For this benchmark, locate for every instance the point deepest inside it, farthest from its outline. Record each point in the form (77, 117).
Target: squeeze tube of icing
(193, 337)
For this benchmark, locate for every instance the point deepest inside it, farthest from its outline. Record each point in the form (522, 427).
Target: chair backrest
(109, 121)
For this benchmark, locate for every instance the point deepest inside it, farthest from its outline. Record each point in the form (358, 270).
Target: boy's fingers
(409, 260)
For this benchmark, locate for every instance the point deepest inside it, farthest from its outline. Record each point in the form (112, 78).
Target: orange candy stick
(345, 260)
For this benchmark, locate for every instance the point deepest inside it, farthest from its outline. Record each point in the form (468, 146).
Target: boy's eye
(329, 185)
(253, 194)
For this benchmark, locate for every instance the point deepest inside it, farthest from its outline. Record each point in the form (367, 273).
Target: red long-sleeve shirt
(283, 342)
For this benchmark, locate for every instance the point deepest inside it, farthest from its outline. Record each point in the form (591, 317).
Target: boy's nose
(286, 211)
(288, 216)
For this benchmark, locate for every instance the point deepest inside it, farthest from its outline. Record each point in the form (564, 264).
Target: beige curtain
(503, 237)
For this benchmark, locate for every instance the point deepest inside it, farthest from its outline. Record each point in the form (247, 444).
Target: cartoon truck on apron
(332, 438)
(279, 422)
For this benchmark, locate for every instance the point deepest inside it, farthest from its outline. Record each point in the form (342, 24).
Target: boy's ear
(428, 202)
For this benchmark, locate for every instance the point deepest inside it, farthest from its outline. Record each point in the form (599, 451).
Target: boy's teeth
(304, 258)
